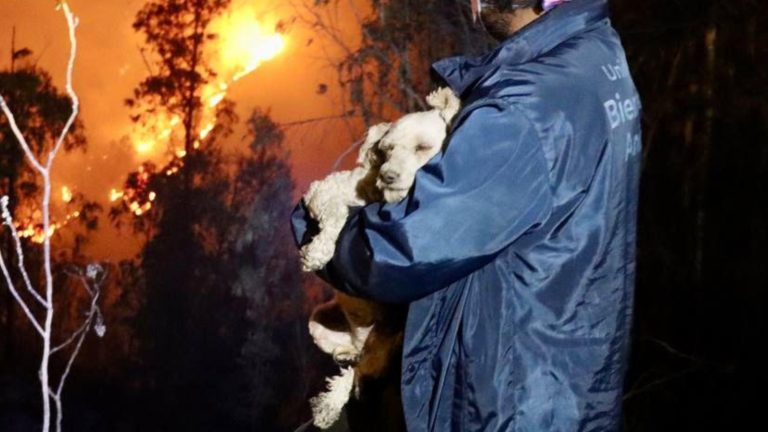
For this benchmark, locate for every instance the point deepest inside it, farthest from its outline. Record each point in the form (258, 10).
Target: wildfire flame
(30, 228)
(66, 194)
(35, 230)
(115, 194)
(137, 195)
(243, 44)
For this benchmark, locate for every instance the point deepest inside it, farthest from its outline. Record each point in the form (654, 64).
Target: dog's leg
(316, 254)
(380, 354)
(349, 354)
(360, 335)
(330, 341)
(329, 327)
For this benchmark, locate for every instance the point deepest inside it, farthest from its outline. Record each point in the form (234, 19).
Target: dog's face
(393, 152)
(407, 146)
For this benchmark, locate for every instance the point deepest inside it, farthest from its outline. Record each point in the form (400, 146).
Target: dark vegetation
(207, 326)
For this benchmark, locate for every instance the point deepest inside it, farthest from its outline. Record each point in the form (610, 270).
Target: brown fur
(378, 406)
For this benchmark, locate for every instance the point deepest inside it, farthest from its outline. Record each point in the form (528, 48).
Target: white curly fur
(328, 201)
(327, 406)
(412, 141)
(388, 160)
(406, 146)
(331, 341)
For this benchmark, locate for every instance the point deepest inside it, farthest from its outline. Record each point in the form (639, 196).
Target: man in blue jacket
(516, 245)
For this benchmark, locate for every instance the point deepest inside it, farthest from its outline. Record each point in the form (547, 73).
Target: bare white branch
(71, 339)
(6, 215)
(72, 22)
(19, 136)
(45, 172)
(8, 221)
(94, 293)
(82, 332)
(44, 378)
(91, 314)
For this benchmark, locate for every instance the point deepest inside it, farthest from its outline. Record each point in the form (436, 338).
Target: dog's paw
(310, 264)
(346, 355)
(311, 259)
(314, 257)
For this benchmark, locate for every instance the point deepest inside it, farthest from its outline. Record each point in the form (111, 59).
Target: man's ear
(446, 102)
(375, 133)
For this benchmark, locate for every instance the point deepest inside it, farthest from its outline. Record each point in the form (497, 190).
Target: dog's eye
(422, 147)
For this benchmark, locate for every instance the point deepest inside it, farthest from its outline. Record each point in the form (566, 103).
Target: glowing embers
(136, 193)
(35, 230)
(66, 194)
(31, 226)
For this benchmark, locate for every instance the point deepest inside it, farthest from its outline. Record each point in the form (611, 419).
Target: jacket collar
(533, 40)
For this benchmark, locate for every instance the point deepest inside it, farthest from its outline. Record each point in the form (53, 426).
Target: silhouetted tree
(221, 291)
(189, 324)
(269, 278)
(702, 231)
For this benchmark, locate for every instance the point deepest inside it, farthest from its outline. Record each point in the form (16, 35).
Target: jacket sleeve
(489, 187)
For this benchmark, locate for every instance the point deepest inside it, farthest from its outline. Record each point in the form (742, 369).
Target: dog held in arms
(364, 336)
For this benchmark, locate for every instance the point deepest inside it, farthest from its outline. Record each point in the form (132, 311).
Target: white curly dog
(388, 160)
(346, 327)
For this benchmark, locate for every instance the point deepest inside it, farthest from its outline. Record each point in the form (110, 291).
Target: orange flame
(243, 45)
(115, 194)
(31, 227)
(66, 194)
(35, 230)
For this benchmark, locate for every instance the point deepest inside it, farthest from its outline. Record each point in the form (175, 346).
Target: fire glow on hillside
(242, 45)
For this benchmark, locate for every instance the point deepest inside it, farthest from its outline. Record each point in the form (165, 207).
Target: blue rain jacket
(516, 245)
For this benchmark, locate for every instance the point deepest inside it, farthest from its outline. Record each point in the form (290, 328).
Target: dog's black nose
(389, 177)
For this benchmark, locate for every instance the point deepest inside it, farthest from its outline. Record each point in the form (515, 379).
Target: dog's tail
(327, 407)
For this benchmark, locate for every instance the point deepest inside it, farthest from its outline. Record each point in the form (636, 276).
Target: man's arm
(489, 187)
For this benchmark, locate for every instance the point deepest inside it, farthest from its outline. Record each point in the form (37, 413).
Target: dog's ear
(446, 102)
(375, 133)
